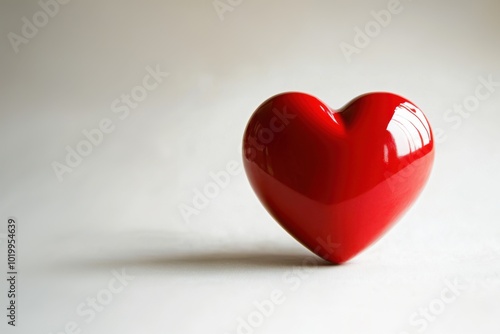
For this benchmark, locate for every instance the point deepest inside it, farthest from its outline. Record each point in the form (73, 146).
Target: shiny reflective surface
(336, 180)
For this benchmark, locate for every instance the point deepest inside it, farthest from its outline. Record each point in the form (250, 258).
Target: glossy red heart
(336, 180)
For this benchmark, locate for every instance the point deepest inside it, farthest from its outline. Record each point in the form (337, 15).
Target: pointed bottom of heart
(339, 231)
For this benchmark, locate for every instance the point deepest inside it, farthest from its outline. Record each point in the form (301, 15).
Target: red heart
(337, 180)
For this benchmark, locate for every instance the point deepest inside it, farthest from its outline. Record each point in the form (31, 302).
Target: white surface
(119, 208)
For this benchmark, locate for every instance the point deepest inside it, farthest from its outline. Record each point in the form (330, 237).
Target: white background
(119, 209)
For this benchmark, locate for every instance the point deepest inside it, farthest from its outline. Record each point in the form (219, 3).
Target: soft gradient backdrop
(118, 209)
